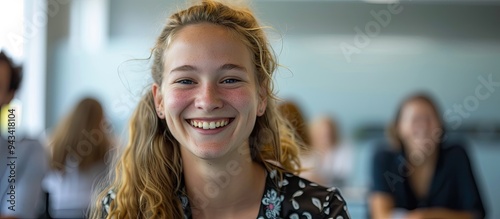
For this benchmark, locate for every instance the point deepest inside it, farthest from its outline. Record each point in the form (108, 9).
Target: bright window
(12, 28)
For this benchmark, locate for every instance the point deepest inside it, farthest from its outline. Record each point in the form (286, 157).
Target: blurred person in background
(334, 160)
(291, 112)
(422, 174)
(21, 176)
(322, 157)
(78, 148)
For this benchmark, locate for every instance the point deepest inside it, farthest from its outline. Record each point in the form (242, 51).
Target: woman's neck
(225, 186)
(422, 172)
(420, 159)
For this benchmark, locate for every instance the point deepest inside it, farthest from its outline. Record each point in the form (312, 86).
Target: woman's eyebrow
(184, 68)
(232, 67)
(225, 67)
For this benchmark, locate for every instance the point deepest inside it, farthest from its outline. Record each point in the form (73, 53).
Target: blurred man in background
(22, 162)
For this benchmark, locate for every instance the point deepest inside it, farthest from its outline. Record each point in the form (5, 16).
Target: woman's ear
(158, 99)
(261, 108)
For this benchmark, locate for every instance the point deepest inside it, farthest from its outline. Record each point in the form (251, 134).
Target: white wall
(436, 47)
(368, 89)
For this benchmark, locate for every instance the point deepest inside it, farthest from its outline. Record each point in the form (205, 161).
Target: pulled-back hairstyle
(80, 137)
(148, 175)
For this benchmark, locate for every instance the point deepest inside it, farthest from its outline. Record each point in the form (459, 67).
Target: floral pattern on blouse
(291, 197)
(272, 203)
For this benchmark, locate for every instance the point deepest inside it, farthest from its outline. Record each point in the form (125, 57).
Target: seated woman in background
(77, 148)
(308, 156)
(424, 175)
(334, 158)
(293, 115)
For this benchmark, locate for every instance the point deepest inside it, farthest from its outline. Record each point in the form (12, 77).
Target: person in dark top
(207, 140)
(423, 174)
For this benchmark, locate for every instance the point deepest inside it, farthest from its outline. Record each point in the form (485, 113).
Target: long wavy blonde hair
(148, 175)
(81, 136)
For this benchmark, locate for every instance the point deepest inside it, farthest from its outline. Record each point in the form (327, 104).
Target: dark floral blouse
(292, 197)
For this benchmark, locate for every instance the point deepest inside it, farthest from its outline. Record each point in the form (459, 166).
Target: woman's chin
(209, 153)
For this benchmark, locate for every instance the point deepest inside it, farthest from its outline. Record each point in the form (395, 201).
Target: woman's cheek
(176, 100)
(241, 98)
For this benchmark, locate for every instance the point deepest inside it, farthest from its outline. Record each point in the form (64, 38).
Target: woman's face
(209, 94)
(419, 126)
(321, 135)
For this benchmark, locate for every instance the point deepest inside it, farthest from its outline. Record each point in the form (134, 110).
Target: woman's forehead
(203, 30)
(206, 44)
(417, 106)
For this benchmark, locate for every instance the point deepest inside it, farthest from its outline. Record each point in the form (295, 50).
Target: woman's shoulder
(455, 155)
(303, 198)
(454, 148)
(385, 153)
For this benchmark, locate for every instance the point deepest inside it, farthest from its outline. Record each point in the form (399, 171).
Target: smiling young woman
(207, 141)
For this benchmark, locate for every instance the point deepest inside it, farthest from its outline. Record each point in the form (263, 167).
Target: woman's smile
(209, 123)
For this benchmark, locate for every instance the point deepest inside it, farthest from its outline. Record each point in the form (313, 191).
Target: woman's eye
(185, 81)
(230, 81)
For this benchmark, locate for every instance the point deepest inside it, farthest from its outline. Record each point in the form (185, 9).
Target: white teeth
(209, 125)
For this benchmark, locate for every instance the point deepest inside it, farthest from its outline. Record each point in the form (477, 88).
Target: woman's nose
(209, 98)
